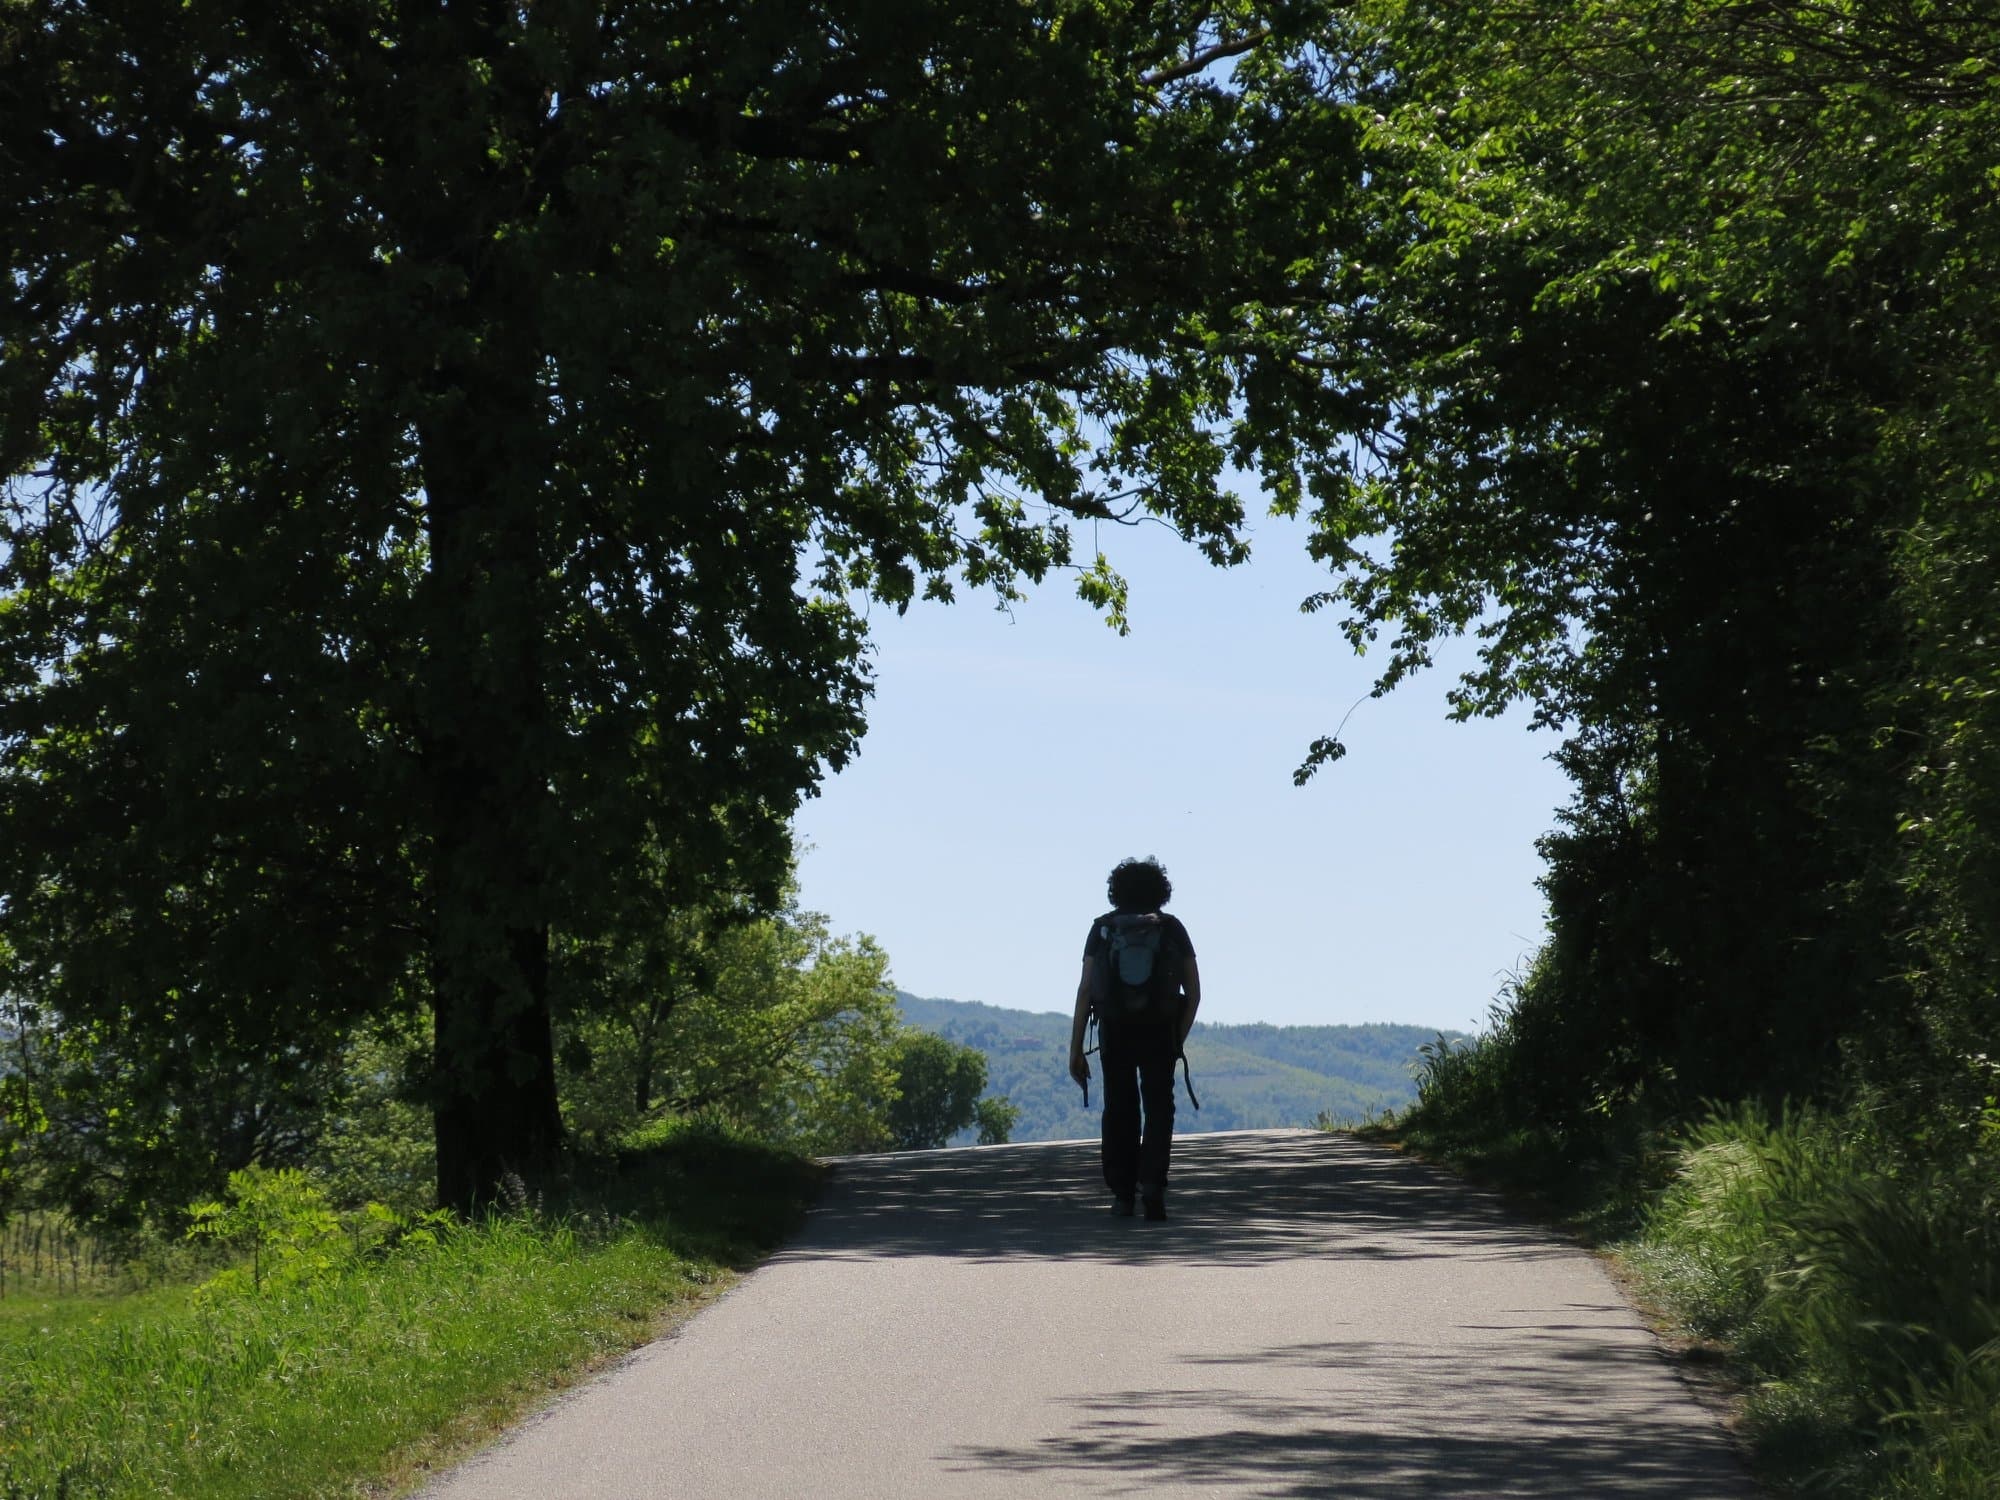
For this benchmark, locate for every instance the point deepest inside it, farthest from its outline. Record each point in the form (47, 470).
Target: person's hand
(1078, 1068)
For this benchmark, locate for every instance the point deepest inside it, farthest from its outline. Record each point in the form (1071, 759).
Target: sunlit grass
(383, 1367)
(24, 1316)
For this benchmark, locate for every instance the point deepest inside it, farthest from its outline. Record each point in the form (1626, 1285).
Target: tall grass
(382, 1365)
(1858, 1288)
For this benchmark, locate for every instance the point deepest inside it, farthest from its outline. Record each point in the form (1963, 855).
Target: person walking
(1140, 980)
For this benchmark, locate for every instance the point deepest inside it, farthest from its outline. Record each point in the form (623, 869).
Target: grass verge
(362, 1381)
(1857, 1289)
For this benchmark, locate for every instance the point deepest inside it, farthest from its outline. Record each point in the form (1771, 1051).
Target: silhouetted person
(1139, 978)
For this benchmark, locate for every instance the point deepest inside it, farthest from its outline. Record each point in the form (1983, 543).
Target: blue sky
(1013, 758)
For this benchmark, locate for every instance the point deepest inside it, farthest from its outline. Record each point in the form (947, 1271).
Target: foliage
(284, 1220)
(1682, 360)
(1459, 1082)
(938, 1083)
(443, 448)
(116, 1148)
(770, 1022)
(1476, 1108)
(996, 1119)
(390, 1361)
(1671, 339)
(22, 1117)
(124, 1129)
(795, 1039)
(376, 1144)
(767, 1022)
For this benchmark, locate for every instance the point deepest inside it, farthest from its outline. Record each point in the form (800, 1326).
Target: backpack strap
(1093, 1042)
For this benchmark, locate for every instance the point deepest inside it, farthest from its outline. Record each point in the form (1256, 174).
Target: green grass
(360, 1381)
(39, 1314)
(1858, 1292)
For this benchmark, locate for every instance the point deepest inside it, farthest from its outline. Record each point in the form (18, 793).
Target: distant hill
(1248, 1077)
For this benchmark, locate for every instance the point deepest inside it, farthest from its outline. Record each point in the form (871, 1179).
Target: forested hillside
(1246, 1076)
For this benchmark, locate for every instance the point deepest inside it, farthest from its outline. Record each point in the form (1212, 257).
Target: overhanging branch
(1187, 67)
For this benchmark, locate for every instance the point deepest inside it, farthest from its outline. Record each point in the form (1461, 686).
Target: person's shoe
(1156, 1207)
(1121, 1208)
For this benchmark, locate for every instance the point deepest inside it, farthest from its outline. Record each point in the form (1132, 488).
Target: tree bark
(487, 750)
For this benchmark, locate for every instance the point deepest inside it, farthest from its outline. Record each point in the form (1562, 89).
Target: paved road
(1320, 1319)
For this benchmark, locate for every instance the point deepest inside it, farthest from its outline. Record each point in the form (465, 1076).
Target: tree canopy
(445, 445)
(1683, 337)
(1681, 361)
(938, 1084)
(451, 450)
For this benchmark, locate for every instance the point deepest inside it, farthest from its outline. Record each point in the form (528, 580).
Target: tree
(996, 1119)
(769, 1021)
(938, 1083)
(1671, 360)
(443, 445)
(126, 1129)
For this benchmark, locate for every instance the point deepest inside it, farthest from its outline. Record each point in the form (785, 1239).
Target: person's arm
(1190, 996)
(1078, 1068)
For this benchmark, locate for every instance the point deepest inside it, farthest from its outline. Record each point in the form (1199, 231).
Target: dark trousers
(1138, 1064)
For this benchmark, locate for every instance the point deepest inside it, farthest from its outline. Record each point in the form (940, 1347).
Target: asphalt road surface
(1318, 1319)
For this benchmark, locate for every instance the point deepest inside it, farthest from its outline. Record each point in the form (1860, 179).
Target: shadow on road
(1557, 1438)
(1286, 1449)
(1235, 1199)
(1544, 1400)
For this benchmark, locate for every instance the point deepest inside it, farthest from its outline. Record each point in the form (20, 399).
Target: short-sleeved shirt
(1097, 941)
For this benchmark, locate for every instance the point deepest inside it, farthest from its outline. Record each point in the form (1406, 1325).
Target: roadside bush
(1481, 1107)
(1943, 1445)
(937, 1089)
(996, 1118)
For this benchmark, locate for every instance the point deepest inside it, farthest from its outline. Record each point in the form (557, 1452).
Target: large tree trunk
(486, 748)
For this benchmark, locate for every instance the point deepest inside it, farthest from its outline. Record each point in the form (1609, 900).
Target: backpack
(1138, 980)
(1139, 976)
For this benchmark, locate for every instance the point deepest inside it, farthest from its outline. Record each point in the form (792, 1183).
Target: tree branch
(1187, 67)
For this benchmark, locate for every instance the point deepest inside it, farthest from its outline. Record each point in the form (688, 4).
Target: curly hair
(1139, 885)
